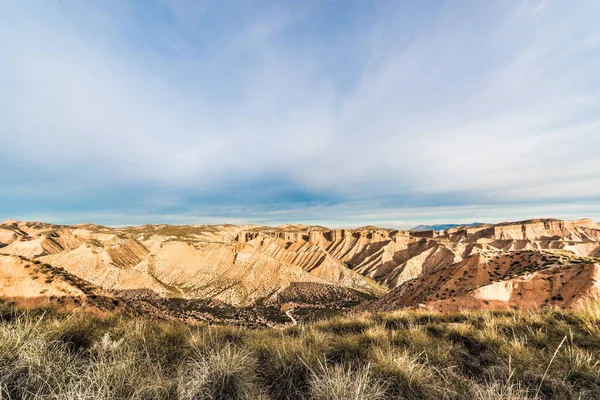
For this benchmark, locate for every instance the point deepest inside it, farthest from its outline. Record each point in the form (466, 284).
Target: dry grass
(225, 372)
(590, 317)
(402, 355)
(340, 382)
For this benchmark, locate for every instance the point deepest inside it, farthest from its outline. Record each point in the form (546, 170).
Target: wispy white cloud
(477, 103)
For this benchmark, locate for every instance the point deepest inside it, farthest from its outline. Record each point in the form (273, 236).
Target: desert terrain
(270, 275)
(490, 312)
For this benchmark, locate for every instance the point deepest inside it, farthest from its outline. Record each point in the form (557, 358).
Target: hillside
(255, 273)
(521, 265)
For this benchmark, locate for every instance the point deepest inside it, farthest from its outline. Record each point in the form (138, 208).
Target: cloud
(183, 109)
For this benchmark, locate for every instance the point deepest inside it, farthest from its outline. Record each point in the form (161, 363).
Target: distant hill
(441, 227)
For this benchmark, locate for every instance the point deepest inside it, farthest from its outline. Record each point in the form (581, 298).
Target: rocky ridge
(179, 270)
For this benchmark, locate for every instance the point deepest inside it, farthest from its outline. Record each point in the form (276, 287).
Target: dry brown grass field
(550, 354)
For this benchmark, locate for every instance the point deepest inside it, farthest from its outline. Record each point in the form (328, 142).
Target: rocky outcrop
(239, 266)
(490, 266)
(581, 230)
(7, 236)
(21, 279)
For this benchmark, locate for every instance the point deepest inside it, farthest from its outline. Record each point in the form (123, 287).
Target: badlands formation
(257, 274)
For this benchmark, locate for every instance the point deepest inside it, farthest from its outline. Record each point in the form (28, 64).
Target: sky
(338, 113)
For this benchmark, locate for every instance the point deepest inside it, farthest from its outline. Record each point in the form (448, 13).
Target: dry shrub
(408, 376)
(589, 316)
(285, 365)
(340, 382)
(226, 373)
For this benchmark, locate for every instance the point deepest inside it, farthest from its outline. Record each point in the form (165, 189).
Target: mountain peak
(441, 227)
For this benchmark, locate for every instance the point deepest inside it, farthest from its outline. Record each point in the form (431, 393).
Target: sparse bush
(284, 367)
(589, 317)
(227, 372)
(408, 376)
(341, 382)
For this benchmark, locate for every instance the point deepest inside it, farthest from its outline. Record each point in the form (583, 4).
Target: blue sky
(341, 113)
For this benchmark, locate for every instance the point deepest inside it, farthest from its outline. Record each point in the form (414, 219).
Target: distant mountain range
(441, 227)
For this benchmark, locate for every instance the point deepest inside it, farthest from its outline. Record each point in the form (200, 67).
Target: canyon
(264, 275)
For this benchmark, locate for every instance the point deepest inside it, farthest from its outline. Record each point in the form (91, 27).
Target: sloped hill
(526, 264)
(222, 265)
(31, 283)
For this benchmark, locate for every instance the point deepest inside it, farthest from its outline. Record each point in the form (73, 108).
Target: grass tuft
(550, 354)
(340, 382)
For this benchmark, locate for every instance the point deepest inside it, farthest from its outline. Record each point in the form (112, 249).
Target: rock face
(525, 264)
(520, 265)
(28, 283)
(234, 266)
(24, 281)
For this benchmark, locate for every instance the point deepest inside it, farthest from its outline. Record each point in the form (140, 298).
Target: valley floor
(551, 354)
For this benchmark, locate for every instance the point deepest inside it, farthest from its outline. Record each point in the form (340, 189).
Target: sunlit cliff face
(527, 265)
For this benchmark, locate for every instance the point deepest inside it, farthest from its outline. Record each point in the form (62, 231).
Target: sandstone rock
(527, 264)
